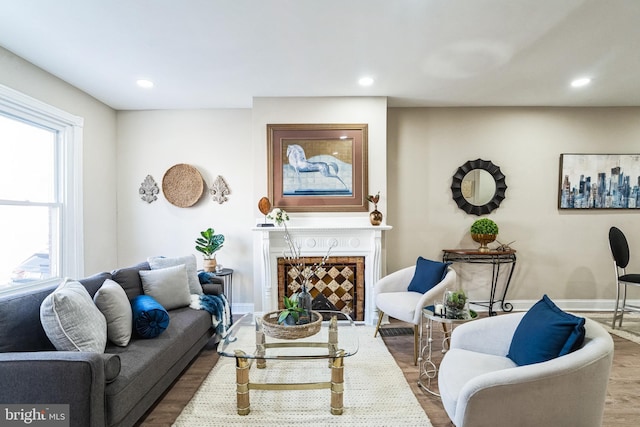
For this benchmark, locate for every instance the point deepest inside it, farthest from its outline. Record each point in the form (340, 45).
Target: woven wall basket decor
(182, 185)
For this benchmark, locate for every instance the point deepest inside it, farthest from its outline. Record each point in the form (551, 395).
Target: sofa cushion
(113, 303)
(148, 364)
(545, 333)
(210, 283)
(168, 286)
(21, 329)
(129, 279)
(428, 274)
(190, 263)
(150, 318)
(93, 283)
(72, 321)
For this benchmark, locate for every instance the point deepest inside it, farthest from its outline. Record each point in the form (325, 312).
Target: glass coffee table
(247, 342)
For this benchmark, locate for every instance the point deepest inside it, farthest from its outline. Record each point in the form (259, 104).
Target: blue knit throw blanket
(219, 308)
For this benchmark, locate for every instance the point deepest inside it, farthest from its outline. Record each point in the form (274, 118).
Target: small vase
(375, 216)
(483, 239)
(289, 320)
(304, 302)
(210, 265)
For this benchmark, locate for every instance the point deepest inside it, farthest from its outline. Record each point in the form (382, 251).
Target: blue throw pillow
(150, 319)
(428, 274)
(545, 333)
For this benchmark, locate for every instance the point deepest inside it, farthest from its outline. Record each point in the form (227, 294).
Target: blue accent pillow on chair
(428, 274)
(544, 333)
(150, 319)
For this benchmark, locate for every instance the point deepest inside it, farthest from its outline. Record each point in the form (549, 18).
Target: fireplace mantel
(345, 238)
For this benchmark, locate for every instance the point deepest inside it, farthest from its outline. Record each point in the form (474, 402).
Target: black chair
(620, 251)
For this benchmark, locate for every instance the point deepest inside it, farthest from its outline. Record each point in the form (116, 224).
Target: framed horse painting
(317, 167)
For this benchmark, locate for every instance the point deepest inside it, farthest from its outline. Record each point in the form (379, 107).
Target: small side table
(428, 369)
(226, 274)
(495, 259)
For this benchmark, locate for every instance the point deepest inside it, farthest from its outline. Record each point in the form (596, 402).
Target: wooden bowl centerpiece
(274, 329)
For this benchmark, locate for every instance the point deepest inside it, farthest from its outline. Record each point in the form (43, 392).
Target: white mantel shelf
(293, 229)
(344, 236)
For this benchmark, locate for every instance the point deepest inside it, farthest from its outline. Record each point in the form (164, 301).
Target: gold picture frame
(317, 167)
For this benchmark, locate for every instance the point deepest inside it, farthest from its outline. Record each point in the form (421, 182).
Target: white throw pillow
(189, 261)
(169, 286)
(72, 321)
(112, 301)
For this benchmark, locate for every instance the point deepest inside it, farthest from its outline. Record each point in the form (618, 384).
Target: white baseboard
(565, 304)
(242, 308)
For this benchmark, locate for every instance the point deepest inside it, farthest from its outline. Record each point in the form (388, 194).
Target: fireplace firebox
(338, 285)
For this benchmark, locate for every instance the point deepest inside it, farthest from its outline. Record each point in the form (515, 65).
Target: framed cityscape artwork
(599, 181)
(317, 167)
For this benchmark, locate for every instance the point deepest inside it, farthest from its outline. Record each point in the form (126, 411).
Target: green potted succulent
(208, 244)
(484, 231)
(291, 312)
(456, 306)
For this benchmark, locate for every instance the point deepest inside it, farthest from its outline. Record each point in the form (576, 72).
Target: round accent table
(426, 364)
(226, 274)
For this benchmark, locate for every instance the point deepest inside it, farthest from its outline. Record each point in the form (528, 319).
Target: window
(40, 192)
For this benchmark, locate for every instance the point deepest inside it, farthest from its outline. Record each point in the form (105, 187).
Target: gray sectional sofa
(114, 388)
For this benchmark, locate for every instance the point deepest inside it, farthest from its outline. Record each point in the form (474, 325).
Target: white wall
(372, 111)
(99, 153)
(562, 253)
(216, 142)
(231, 143)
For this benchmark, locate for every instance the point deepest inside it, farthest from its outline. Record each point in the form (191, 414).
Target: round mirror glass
(478, 187)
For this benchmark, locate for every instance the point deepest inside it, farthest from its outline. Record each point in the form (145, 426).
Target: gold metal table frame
(328, 349)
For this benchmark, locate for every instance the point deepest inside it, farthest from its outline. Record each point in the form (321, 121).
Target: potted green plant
(291, 312)
(208, 244)
(456, 306)
(484, 231)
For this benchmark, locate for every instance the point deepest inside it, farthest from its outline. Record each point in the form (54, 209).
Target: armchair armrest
(578, 380)
(491, 335)
(397, 281)
(64, 377)
(435, 293)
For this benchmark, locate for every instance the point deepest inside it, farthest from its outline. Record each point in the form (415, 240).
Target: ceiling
(223, 53)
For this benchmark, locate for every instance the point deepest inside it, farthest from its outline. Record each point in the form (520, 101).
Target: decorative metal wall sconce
(149, 190)
(219, 190)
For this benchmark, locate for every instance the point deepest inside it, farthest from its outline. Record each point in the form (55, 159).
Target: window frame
(69, 184)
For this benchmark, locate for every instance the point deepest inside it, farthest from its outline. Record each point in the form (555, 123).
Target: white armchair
(480, 386)
(393, 298)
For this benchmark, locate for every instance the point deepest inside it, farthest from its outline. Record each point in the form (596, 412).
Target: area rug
(394, 332)
(630, 329)
(375, 393)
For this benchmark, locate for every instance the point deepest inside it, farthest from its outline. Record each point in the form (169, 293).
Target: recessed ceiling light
(365, 81)
(147, 84)
(582, 81)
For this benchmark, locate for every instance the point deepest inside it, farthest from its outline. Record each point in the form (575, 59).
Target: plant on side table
(456, 305)
(208, 244)
(484, 231)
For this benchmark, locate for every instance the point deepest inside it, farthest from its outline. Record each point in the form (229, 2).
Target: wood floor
(621, 407)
